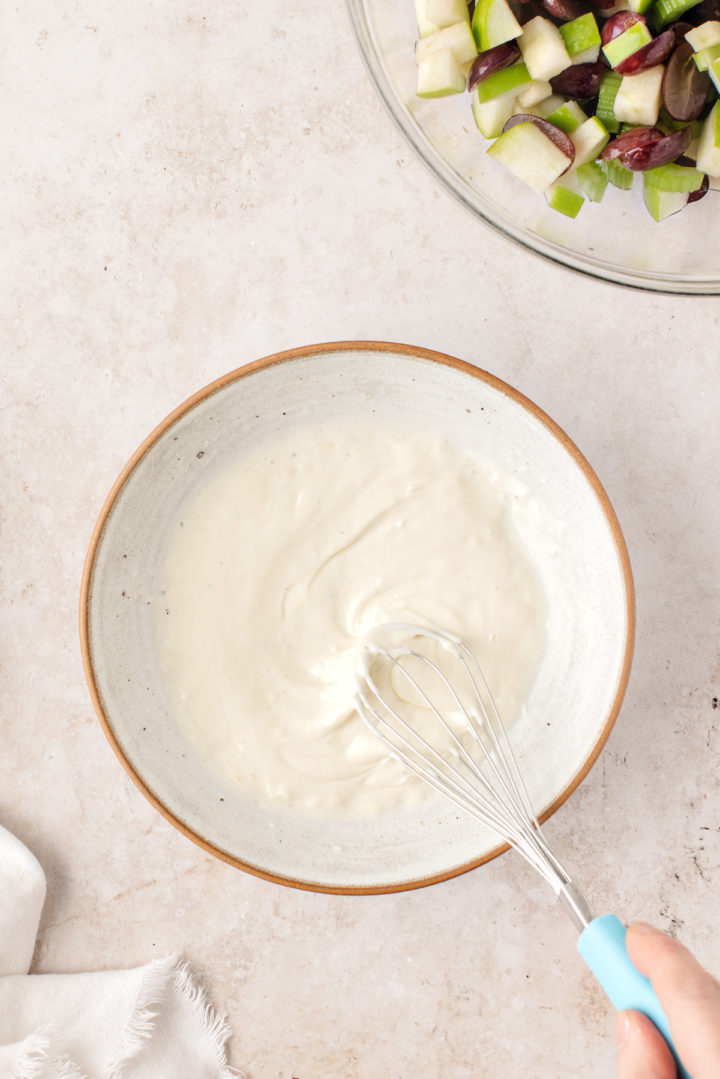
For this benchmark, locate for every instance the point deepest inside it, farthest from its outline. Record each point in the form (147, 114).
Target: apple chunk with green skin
(493, 24)
(433, 15)
(458, 39)
(639, 97)
(708, 148)
(531, 155)
(543, 49)
(440, 75)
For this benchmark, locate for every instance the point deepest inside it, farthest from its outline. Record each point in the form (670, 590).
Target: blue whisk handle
(602, 946)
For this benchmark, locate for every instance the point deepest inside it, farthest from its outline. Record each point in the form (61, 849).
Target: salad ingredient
(650, 151)
(666, 11)
(655, 52)
(607, 93)
(581, 38)
(580, 80)
(530, 154)
(439, 75)
(708, 151)
(662, 204)
(684, 88)
(589, 139)
(563, 142)
(618, 23)
(543, 49)
(457, 38)
(491, 116)
(638, 98)
(593, 180)
(565, 197)
(485, 63)
(493, 23)
(619, 48)
(675, 177)
(566, 10)
(502, 82)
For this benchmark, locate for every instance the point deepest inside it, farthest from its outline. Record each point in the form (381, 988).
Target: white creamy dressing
(282, 564)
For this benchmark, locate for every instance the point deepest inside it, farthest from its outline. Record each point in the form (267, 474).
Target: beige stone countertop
(188, 187)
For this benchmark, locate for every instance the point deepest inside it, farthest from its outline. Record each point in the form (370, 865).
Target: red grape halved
(579, 80)
(618, 23)
(650, 55)
(491, 60)
(651, 153)
(684, 88)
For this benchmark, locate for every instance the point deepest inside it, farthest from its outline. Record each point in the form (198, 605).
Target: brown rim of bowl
(282, 357)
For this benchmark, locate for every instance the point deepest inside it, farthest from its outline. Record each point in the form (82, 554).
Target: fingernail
(622, 1028)
(643, 927)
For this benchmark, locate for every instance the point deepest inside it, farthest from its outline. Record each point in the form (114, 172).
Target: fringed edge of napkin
(159, 976)
(35, 1058)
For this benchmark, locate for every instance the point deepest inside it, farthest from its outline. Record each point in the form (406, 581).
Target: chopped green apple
(567, 117)
(440, 75)
(638, 98)
(565, 197)
(447, 12)
(543, 49)
(704, 57)
(506, 81)
(457, 39)
(589, 140)
(532, 94)
(528, 153)
(708, 149)
(625, 44)
(491, 116)
(593, 180)
(432, 15)
(493, 23)
(640, 6)
(661, 204)
(714, 73)
(545, 108)
(705, 35)
(580, 35)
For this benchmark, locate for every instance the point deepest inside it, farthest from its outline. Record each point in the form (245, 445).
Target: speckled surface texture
(187, 188)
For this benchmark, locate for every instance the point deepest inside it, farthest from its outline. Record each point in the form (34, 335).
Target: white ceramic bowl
(582, 561)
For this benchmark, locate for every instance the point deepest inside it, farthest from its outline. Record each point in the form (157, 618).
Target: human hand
(690, 998)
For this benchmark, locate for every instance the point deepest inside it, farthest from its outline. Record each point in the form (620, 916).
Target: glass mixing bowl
(615, 240)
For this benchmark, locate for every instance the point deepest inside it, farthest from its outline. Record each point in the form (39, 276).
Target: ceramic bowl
(580, 556)
(615, 240)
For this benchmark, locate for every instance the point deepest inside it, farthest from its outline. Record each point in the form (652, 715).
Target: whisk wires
(475, 766)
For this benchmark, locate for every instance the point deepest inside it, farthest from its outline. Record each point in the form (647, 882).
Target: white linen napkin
(150, 1022)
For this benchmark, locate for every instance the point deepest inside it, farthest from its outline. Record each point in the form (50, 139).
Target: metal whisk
(445, 728)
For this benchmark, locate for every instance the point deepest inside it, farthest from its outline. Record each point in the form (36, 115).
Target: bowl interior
(563, 516)
(616, 239)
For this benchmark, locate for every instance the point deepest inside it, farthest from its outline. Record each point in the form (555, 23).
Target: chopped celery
(674, 177)
(667, 11)
(606, 101)
(619, 176)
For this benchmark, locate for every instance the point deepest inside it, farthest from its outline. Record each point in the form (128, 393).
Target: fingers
(642, 1050)
(690, 997)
